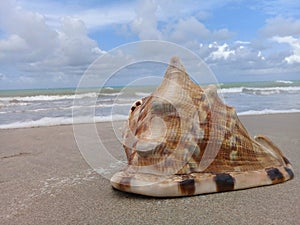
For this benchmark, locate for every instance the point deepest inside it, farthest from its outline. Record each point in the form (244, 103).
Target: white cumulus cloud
(37, 49)
(168, 20)
(281, 26)
(221, 51)
(13, 43)
(294, 44)
(145, 22)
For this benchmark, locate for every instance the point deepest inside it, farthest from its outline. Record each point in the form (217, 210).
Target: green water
(116, 89)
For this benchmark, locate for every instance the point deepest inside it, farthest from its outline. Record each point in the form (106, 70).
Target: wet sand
(45, 180)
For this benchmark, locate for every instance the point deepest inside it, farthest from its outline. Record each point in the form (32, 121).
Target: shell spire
(183, 140)
(175, 65)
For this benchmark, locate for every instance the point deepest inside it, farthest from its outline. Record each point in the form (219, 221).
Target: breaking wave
(260, 90)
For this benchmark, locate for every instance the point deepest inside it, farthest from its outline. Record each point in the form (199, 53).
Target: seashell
(183, 140)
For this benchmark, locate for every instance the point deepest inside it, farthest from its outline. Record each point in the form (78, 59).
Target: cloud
(294, 44)
(95, 16)
(75, 47)
(192, 29)
(284, 31)
(221, 52)
(243, 42)
(120, 14)
(145, 22)
(12, 47)
(153, 21)
(244, 61)
(189, 28)
(37, 49)
(28, 27)
(49, 42)
(2, 76)
(280, 26)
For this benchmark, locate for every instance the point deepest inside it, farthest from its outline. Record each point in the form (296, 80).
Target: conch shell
(183, 140)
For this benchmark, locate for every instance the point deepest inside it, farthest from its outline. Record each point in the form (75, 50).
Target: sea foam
(47, 121)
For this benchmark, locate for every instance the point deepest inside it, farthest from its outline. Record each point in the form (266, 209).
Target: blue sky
(50, 43)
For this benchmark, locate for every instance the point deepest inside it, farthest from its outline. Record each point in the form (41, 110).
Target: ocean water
(47, 107)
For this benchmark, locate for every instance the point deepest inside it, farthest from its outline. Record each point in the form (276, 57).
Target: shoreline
(45, 180)
(122, 120)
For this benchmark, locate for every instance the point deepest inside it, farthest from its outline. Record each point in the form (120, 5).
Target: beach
(45, 180)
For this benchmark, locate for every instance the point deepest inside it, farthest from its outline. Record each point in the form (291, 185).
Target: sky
(50, 43)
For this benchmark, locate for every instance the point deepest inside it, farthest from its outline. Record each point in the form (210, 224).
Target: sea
(48, 107)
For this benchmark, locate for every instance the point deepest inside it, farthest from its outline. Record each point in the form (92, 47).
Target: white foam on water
(230, 90)
(48, 121)
(17, 99)
(111, 94)
(270, 90)
(284, 81)
(268, 111)
(260, 90)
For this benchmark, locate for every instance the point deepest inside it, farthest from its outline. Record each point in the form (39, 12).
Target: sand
(45, 180)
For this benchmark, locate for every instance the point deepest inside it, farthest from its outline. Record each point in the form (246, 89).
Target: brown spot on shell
(275, 175)
(224, 182)
(125, 183)
(187, 185)
(289, 171)
(287, 162)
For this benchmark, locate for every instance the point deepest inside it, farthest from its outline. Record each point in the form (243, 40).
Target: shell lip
(198, 183)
